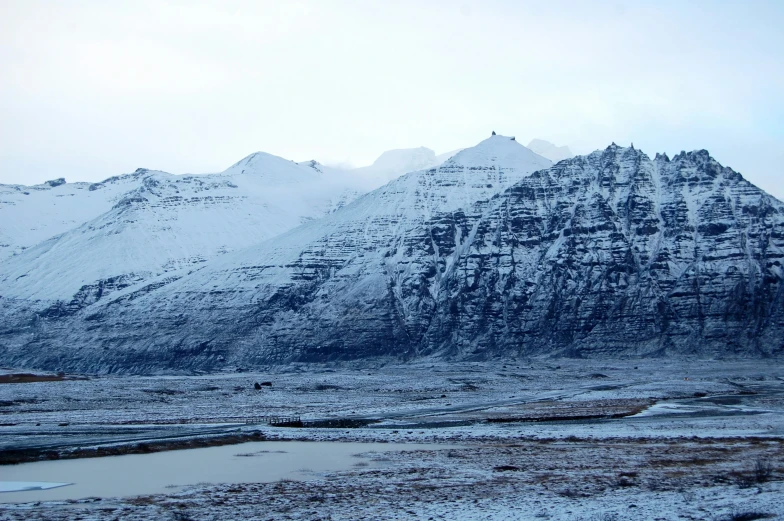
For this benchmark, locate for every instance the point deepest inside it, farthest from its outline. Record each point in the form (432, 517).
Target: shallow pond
(162, 472)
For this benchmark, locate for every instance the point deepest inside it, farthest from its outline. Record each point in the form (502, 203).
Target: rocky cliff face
(617, 254)
(607, 254)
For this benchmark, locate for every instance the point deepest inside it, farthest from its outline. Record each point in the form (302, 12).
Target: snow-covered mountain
(31, 214)
(166, 223)
(64, 295)
(552, 152)
(90, 238)
(495, 252)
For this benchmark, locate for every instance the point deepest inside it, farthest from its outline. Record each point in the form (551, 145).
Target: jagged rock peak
(696, 155)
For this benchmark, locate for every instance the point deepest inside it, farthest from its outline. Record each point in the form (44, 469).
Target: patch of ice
(21, 486)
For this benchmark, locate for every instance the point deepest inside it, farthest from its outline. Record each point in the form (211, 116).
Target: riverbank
(573, 440)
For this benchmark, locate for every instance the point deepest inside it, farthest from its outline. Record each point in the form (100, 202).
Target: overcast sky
(90, 89)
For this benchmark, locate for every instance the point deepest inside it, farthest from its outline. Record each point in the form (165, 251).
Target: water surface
(161, 472)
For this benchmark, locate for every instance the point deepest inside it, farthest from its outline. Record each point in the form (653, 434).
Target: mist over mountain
(394, 163)
(549, 150)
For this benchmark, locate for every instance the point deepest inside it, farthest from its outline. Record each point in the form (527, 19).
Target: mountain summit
(500, 151)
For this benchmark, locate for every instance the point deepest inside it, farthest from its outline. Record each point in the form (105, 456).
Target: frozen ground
(564, 439)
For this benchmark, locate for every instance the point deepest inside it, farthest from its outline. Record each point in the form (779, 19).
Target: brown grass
(13, 457)
(26, 378)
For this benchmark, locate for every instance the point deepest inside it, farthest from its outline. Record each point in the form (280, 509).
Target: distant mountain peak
(273, 169)
(405, 157)
(256, 158)
(394, 163)
(549, 150)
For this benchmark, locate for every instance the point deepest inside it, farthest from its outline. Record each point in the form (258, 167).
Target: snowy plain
(647, 439)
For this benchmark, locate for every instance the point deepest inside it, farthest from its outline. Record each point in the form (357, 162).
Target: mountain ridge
(32, 214)
(609, 254)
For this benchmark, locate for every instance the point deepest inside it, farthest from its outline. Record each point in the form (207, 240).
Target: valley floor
(526, 439)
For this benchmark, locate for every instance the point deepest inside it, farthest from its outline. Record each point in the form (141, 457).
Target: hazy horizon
(93, 89)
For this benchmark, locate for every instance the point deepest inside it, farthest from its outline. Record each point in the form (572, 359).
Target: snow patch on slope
(31, 214)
